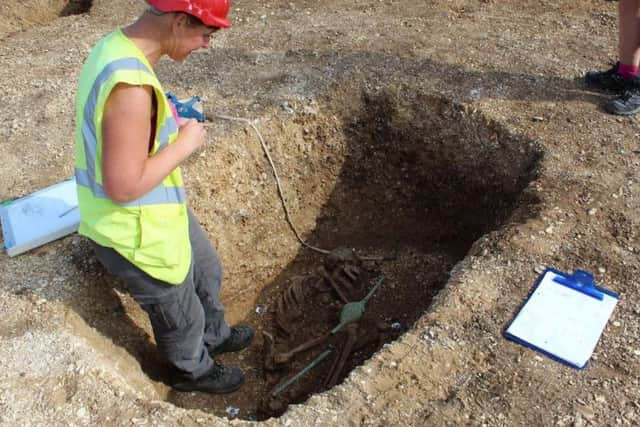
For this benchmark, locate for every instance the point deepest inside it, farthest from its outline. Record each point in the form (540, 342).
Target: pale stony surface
(68, 354)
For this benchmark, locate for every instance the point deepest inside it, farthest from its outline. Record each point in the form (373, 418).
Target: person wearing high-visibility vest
(129, 145)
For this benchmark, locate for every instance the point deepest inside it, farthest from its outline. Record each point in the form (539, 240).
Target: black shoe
(609, 80)
(218, 380)
(628, 103)
(240, 338)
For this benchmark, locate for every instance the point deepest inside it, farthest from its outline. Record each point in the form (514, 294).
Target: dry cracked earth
(457, 136)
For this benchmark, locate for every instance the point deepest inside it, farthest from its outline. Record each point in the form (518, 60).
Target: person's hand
(192, 133)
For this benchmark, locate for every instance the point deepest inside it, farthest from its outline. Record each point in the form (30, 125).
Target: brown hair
(192, 21)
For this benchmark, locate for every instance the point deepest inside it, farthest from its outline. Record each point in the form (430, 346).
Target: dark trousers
(185, 318)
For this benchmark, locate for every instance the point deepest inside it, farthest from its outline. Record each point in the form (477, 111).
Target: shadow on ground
(273, 77)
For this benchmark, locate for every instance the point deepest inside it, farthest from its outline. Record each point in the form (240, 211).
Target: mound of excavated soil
(448, 148)
(20, 15)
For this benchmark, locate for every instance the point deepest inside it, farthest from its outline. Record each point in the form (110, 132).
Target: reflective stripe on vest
(87, 177)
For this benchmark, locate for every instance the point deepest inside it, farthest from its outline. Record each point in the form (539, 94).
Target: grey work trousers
(185, 318)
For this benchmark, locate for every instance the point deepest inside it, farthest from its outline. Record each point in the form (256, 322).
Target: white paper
(562, 321)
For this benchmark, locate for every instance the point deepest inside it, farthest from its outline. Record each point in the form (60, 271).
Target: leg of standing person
(207, 276)
(178, 321)
(623, 77)
(628, 37)
(628, 102)
(175, 312)
(207, 270)
(615, 78)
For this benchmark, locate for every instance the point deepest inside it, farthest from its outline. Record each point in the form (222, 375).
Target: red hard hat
(212, 12)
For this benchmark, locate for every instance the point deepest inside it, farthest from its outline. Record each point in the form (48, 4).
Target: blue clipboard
(41, 217)
(563, 317)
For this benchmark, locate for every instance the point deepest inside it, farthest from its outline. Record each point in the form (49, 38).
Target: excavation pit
(401, 175)
(411, 177)
(76, 7)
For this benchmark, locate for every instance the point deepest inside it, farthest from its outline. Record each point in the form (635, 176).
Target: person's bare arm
(128, 170)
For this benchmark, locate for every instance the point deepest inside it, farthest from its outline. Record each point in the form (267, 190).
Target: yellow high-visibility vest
(152, 232)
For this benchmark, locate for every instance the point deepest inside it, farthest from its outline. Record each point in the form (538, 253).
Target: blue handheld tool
(189, 109)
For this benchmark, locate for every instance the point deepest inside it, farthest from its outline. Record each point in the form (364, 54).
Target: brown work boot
(240, 338)
(218, 380)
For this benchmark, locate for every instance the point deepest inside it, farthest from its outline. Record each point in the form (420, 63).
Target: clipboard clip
(581, 281)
